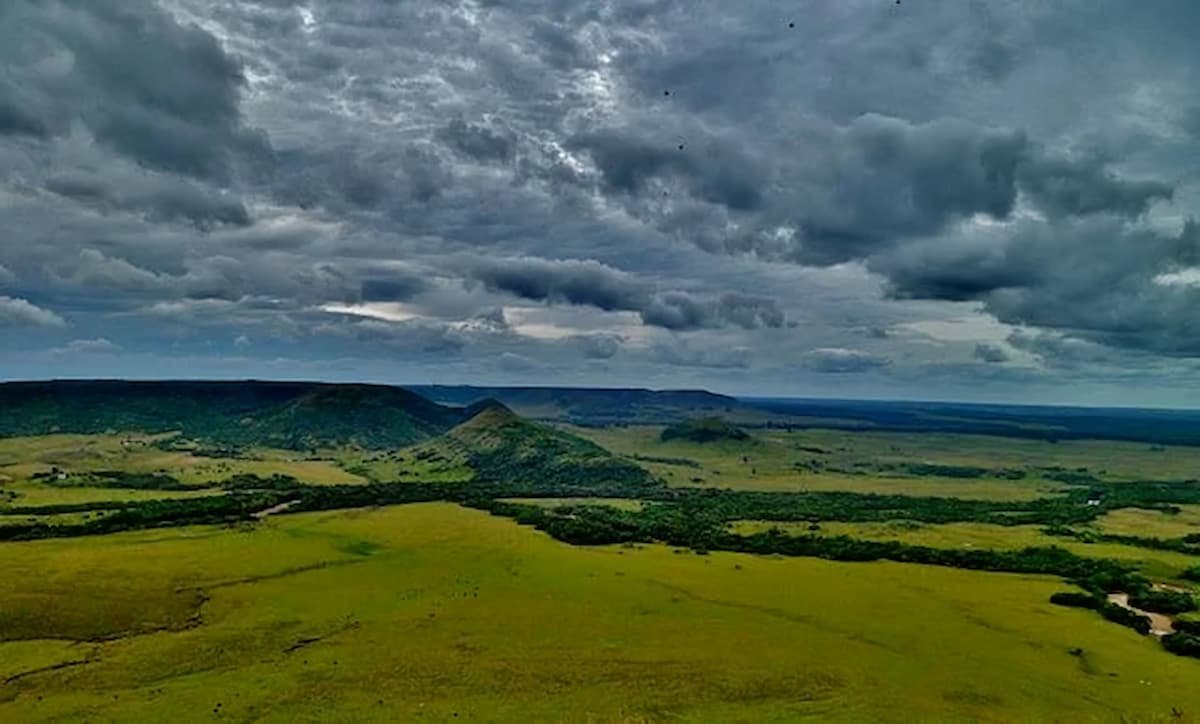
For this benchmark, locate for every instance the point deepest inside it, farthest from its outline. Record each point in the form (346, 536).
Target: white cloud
(96, 346)
(15, 312)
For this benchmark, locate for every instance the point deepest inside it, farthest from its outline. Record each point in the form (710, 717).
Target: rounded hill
(704, 430)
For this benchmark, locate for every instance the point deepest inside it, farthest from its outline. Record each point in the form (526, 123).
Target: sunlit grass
(433, 611)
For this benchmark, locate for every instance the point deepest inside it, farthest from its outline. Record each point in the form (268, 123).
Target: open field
(435, 611)
(618, 503)
(1153, 523)
(1155, 564)
(330, 587)
(873, 462)
(23, 457)
(34, 494)
(776, 460)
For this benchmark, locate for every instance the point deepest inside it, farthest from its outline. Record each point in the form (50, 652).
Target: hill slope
(278, 414)
(501, 446)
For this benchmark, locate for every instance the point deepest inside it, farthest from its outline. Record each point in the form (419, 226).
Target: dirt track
(1160, 624)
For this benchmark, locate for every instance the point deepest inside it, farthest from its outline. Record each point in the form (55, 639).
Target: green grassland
(618, 503)
(438, 612)
(23, 457)
(1155, 564)
(355, 610)
(875, 462)
(1153, 523)
(1106, 459)
(37, 495)
(776, 460)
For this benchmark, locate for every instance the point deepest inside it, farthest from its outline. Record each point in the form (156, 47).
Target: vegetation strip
(514, 459)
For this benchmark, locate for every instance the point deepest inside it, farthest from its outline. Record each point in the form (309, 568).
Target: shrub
(1075, 599)
(1125, 617)
(1182, 644)
(1163, 601)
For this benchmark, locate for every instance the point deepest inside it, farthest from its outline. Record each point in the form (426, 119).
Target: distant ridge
(293, 415)
(1039, 422)
(597, 406)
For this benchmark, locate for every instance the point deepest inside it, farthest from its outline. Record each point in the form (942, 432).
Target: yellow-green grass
(618, 503)
(768, 462)
(1106, 459)
(773, 455)
(22, 457)
(313, 472)
(437, 612)
(1151, 523)
(34, 494)
(52, 519)
(1158, 565)
(431, 461)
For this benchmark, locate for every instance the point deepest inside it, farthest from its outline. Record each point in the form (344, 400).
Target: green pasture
(773, 460)
(1155, 564)
(434, 612)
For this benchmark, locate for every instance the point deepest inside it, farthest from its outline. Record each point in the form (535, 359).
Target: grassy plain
(1151, 523)
(441, 613)
(818, 460)
(23, 457)
(35, 494)
(1155, 564)
(618, 503)
(774, 460)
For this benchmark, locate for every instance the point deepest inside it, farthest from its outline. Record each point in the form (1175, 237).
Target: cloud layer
(982, 199)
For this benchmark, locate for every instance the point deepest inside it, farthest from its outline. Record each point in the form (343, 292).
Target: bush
(1163, 601)
(1074, 599)
(1182, 644)
(1125, 617)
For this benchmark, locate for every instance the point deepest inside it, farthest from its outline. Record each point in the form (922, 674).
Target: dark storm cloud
(575, 282)
(712, 168)
(593, 284)
(394, 287)
(1062, 187)
(895, 180)
(476, 141)
(680, 310)
(349, 180)
(160, 92)
(224, 168)
(874, 182)
(1098, 278)
(900, 179)
(953, 271)
(159, 198)
(18, 114)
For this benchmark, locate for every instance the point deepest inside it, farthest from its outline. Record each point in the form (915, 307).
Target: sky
(983, 200)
